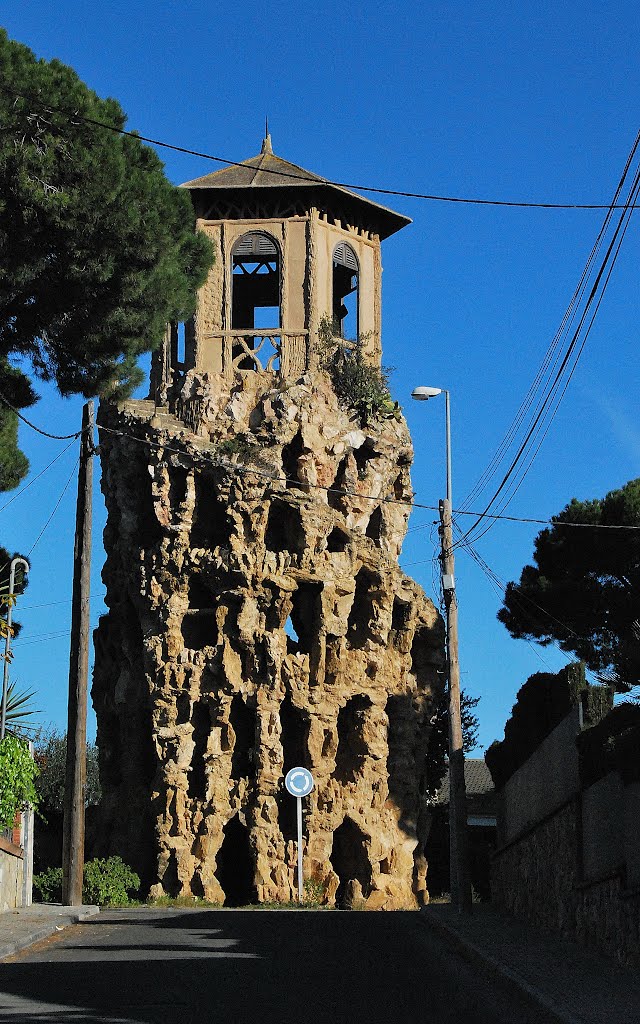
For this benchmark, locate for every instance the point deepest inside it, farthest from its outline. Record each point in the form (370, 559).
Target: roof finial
(266, 142)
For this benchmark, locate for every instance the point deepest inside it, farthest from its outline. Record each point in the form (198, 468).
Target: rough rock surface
(258, 621)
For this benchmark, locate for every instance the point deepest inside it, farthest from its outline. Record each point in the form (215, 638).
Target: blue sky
(535, 101)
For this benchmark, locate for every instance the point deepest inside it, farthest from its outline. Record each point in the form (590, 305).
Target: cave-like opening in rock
(293, 640)
(170, 880)
(352, 746)
(201, 726)
(290, 454)
(400, 739)
(375, 524)
(363, 456)
(400, 614)
(335, 496)
(243, 722)
(294, 732)
(199, 629)
(210, 526)
(305, 614)
(234, 865)
(423, 654)
(284, 528)
(398, 488)
(183, 708)
(149, 529)
(200, 595)
(178, 477)
(337, 541)
(349, 860)
(361, 609)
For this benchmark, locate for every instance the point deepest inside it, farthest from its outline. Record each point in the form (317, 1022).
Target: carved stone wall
(257, 621)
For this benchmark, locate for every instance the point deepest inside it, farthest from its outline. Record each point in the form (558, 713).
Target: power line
(75, 115)
(274, 478)
(55, 509)
(501, 588)
(46, 637)
(37, 477)
(54, 437)
(554, 392)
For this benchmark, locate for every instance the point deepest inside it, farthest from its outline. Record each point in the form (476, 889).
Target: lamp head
(423, 394)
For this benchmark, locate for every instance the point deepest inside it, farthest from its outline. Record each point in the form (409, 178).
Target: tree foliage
(51, 758)
(18, 771)
(438, 749)
(582, 590)
(97, 248)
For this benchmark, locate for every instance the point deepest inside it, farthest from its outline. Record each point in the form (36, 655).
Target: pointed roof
(268, 171)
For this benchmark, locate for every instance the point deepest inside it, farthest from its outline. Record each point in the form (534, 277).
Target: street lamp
(460, 888)
(15, 562)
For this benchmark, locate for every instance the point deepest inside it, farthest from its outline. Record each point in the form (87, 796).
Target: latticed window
(346, 274)
(256, 282)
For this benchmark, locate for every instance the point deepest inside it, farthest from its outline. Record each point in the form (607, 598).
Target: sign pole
(299, 802)
(299, 782)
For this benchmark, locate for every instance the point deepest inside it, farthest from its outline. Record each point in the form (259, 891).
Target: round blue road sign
(299, 782)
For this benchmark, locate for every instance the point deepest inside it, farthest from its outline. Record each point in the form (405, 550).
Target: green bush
(358, 384)
(48, 885)
(109, 882)
(106, 882)
(17, 774)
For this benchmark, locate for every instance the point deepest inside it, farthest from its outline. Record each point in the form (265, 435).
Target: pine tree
(97, 248)
(582, 590)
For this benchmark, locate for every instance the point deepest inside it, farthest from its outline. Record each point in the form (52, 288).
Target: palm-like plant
(19, 707)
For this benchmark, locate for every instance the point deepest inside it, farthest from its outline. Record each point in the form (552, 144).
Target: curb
(476, 955)
(42, 929)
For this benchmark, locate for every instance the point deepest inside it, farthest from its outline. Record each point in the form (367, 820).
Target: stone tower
(258, 618)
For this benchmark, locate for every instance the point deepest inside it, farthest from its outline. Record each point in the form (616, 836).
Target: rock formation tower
(258, 618)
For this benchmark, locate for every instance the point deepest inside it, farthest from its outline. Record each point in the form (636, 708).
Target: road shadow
(147, 967)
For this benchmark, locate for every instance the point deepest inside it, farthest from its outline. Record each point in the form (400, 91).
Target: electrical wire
(46, 637)
(55, 509)
(75, 115)
(521, 597)
(37, 477)
(54, 437)
(273, 477)
(554, 392)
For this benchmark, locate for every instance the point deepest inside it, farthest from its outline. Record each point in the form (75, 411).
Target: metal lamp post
(15, 562)
(460, 888)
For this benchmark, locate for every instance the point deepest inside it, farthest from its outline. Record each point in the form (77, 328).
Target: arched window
(256, 282)
(345, 290)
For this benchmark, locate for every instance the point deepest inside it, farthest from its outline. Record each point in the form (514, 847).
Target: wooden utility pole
(460, 887)
(76, 775)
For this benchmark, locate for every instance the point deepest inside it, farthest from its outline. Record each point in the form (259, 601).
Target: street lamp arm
(15, 562)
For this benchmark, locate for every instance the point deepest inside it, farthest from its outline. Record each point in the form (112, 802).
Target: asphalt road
(145, 966)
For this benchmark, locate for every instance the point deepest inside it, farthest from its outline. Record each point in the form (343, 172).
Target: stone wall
(535, 876)
(11, 875)
(545, 781)
(258, 619)
(573, 867)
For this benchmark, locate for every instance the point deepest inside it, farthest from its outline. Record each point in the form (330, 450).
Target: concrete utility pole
(76, 776)
(458, 868)
(460, 887)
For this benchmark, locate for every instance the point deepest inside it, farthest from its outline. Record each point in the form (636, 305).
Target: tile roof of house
(477, 779)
